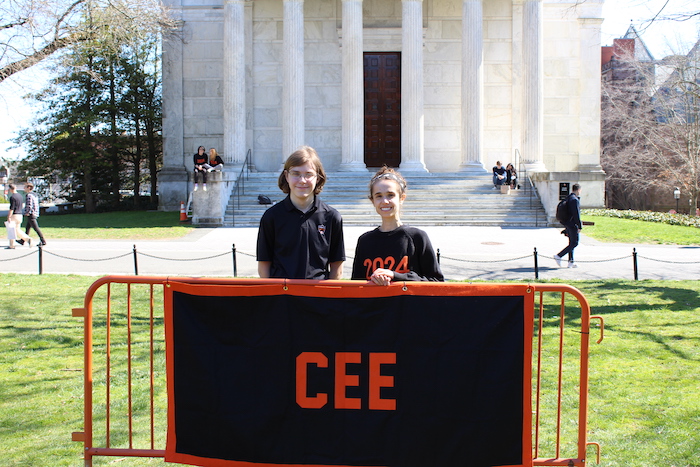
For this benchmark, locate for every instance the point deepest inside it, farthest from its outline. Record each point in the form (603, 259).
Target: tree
(101, 123)
(140, 66)
(32, 30)
(65, 141)
(651, 131)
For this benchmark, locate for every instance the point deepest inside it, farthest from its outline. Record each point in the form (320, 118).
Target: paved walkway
(467, 253)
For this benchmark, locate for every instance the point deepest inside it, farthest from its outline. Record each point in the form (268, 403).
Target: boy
(301, 237)
(573, 226)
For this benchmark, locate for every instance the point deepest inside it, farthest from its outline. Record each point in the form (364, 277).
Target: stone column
(472, 86)
(353, 88)
(533, 92)
(412, 117)
(172, 179)
(589, 102)
(293, 77)
(234, 81)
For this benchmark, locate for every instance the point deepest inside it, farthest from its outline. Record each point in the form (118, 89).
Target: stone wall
(193, 77)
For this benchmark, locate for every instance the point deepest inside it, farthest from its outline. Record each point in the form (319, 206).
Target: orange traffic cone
(183, 214)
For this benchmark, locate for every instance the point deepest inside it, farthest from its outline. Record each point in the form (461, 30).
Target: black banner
(405, 381)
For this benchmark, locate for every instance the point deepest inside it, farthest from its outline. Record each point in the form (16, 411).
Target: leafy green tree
(101, 126)
(140, 66)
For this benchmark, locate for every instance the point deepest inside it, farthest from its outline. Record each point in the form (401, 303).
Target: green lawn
(644, 397)
(614, 230)
(129, 225)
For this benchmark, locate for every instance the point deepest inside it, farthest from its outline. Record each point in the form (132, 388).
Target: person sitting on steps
(499, 175)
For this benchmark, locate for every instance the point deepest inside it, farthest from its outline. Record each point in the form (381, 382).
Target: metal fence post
(235, 265)
(438, 255)
(634, 262)
(537, 268)
(136, 263)
(41, 259)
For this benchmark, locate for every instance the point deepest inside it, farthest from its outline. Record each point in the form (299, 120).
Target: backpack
(563, 215)
(262, 199)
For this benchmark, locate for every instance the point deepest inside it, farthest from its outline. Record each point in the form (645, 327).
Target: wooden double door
(382, 85)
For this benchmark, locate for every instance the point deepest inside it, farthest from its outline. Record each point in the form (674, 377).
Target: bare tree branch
(21, 22)
(36, 29)
(651, 131)
(39, 55)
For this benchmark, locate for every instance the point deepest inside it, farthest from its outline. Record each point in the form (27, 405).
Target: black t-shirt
(300, 245)
(406, 250)
(16, 203)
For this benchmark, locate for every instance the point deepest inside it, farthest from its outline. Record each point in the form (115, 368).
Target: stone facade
(481, 80)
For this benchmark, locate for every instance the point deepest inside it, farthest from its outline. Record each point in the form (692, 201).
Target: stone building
(426, 85)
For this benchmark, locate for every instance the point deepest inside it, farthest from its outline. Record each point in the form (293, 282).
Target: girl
(200, 160)
(511, 176)
(393, 251)
(215, 161)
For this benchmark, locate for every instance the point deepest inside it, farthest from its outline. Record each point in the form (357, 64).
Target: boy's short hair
(11, 186)
(28, 186)
(303, 155)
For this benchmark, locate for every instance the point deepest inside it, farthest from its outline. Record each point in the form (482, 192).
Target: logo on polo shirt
(322, 229)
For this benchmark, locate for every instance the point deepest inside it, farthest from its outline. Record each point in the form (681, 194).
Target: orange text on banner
(344, 380)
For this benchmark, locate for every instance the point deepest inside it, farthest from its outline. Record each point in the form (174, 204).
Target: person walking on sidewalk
(15, 215)
(31, 212)
(573, 225)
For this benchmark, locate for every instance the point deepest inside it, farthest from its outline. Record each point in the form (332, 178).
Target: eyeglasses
(296, 175)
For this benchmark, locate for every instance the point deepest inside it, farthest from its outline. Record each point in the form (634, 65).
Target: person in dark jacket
(573, 226)
(393, 251)
(511, 176)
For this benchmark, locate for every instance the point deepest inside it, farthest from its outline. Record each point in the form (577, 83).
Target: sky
(661, 38)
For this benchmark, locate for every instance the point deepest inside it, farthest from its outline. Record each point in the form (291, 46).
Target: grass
(614, 230)
(120, 225)
(644, 398)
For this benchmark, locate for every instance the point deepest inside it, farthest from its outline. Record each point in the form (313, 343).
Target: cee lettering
(342, 380)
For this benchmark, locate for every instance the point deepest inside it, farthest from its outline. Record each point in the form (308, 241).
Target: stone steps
(433, 199)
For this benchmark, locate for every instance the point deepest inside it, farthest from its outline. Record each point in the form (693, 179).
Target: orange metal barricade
(125, 407)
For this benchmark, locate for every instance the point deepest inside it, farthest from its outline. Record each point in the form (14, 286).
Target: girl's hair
(387, 173)
(213, 154)
(303, 155)
(201, 147)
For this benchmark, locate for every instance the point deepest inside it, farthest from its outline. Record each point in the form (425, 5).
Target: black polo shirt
(300, 245)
